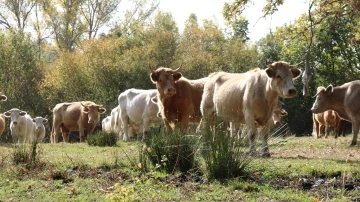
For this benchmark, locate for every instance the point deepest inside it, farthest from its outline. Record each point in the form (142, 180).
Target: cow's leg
(125, 124)
(355, 130)
(252, 131)
(320, 130)
(327, 128)
(56, 131)
(65, 134)
(81, 133)
(265, 135)
(184, 124)
(146, 123)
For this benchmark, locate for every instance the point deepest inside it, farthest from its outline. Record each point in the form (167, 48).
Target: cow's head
(323, 99)
(165, 79)
(282, 75)
(39, 122)
(279, 112)
(93, 111)
(14, 113)
(2, 96)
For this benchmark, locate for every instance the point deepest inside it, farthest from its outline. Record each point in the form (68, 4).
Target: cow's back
(351, 100)
(68, 114)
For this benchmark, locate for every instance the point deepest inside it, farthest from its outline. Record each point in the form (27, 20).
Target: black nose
(292, 92)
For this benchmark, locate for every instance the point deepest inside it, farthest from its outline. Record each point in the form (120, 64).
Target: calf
(21, 125)
(325, 119)
(39, 129)
(344, 100)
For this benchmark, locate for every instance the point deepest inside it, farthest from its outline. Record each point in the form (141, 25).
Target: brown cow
(75, 116)
(344, 100)
(342, 126)
(178, 98)
(325, 119)
(249, 98)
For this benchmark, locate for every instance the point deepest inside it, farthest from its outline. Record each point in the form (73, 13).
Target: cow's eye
(278, 76)
(160, 80)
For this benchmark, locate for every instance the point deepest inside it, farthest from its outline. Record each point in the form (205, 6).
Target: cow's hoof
(352, 144)
(266, 155)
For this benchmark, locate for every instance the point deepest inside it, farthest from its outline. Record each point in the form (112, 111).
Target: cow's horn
(316, 94)
(292, 66)
(152, 71)
(176, 70)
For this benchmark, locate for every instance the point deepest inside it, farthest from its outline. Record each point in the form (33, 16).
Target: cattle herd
(241, 101)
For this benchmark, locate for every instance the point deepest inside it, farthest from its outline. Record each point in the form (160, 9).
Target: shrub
(102, 139)
(170, 152)
(225, 156)
(23, 155)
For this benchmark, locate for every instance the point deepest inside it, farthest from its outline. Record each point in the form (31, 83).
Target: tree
(14, 14)
(97, 13)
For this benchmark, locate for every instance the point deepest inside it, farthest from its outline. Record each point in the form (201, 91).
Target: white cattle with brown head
(249, 98)
(137, 109)
(39, 129)
(75, 116)
(178, 98)
(344, 100)
(21, 125)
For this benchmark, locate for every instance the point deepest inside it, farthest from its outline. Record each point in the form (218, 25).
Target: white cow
(39, 129)
(21, 125)
(106, 124)
(115, 121)
(136, 108)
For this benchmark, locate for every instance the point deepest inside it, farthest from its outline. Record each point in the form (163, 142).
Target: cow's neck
(337, 100)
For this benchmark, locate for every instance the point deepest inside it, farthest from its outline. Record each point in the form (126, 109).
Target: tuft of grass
(225, 156)
(23, 155)
(102, 139)
(170, 152)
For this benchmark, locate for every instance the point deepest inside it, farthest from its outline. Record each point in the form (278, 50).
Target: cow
(21, 125)
(115, 122)
(178, 98)
(249, 98)
(39, 129)
(136, 108)
(75, 116)
(2, 123)
(106, 124)
(344, 100)
(325, 119)
(341, 129)
(276, 119)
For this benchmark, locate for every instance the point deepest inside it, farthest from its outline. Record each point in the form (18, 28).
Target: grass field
(300, 169)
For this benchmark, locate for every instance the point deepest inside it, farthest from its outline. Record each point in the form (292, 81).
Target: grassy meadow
(300, 169)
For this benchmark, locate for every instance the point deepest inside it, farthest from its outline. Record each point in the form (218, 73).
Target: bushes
(102, 139)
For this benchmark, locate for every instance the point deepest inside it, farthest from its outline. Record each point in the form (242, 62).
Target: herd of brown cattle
(250, 99)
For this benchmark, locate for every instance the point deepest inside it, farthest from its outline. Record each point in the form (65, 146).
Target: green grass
(79, 172)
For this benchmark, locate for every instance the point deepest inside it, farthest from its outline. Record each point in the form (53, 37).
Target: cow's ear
(283, 112)
(45, 121)
(154, 99)
(86, 109)
(329, 89)
(295, 72)
(177, 76)
(102, 110)
(22, 113)
(154, 77)
(7, 114)
(270, 72)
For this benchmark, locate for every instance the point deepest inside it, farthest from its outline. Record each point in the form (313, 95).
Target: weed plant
(170, 152)
(25, 153)
(102, 139)
(225, 156)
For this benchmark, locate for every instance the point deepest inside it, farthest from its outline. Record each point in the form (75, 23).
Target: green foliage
(171, 152)
(225, 157)
(102, 139)
(25, 155)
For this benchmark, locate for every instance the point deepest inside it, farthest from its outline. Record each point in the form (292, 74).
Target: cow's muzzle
(170, 92)
(292, 92)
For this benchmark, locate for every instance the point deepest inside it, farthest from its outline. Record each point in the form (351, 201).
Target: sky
(212, 9)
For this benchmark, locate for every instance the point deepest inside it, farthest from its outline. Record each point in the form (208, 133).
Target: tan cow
(344, 100)
(249, 98)
(178, 98)
(325, 119)
(75, 116)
